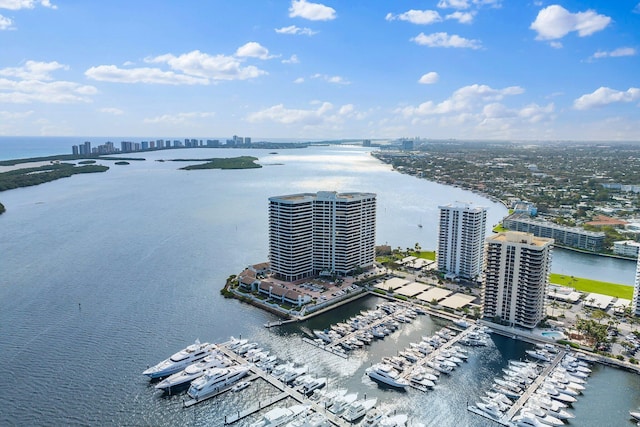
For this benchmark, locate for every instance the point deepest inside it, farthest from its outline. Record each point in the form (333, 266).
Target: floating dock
(505, 420)
(286, 392)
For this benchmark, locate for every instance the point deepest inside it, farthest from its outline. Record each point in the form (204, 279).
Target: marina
(73, 308)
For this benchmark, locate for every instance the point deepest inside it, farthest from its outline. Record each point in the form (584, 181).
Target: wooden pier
(518, 404)
(285, 392)
(420, 363)
(505, 420)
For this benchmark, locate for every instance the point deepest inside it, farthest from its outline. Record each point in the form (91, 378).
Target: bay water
(105, 274)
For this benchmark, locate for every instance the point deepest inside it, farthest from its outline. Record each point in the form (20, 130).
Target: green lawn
(588, 285)
(430, 255)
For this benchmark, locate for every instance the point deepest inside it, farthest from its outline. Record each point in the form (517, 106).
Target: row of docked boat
(348, 406)
(367, 326)
(206, 370)
(300, 415)
(420, 364)
(547, 400)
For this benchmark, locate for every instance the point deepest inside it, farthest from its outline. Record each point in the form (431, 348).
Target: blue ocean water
(104, 274)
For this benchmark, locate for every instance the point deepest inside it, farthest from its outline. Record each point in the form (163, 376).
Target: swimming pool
(556, 335)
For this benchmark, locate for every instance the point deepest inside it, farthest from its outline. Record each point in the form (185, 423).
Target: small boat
(340, 403)
(372, 418)
(358, 409)
(241, 386)
(313, 385)
(462, 322)
(279, 416)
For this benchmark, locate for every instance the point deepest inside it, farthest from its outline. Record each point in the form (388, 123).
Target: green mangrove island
(242, 162)
(26, 177)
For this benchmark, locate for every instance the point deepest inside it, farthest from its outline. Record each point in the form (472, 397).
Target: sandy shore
(23, 166)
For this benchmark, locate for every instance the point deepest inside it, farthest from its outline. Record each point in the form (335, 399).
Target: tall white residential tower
(516, 278)
(323, 233)
(635, 302)
(461, 240)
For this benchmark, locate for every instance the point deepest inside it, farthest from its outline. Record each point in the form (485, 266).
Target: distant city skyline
(301, 69)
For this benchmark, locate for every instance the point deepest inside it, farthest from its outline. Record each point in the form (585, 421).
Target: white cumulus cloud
(421, 17)
(466, 4)
(25, 4)
(299, 80)
(461, 17)
(311, 11)
(115, 74)
(112, 110)
(324, 114)
(5, 23)
(293, 59)
(214, 67)
(294, 30)
(429, 78)
(253, 50)
(34, 82)
(465, 99)
(554, 22)
(178, 118)
(34, 70)
(604, 96)
(445, 40)
(454, 4)
(621, 51)
(279, 114)
(331, 79)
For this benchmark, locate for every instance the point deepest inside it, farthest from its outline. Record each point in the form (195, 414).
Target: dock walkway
(532, 388)
(285, 392)
(430, 356)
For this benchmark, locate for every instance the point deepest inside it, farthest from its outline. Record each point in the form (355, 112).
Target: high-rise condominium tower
(461, 240)
(323, 233)
(635, 302)
(516, 277)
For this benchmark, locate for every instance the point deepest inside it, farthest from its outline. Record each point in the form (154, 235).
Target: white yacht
(398, 420)
(372, 418)
(194, 371)
(387, 375)
(279, 416)
(180, 360)
(241, 386)
(462, 322)
(491, 409)
(358, 409)
(527, 420)
(216, 379)
(542, 415)
(340, 403)
(315, 384)
(310, 419)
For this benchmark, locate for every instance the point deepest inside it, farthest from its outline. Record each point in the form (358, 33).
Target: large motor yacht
(216, 379)
(387, 375)
(180, 360)
(194, 371)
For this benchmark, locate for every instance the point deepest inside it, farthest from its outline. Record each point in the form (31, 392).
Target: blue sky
(466, 69)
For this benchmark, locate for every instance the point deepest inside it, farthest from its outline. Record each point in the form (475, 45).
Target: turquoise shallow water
(103, 275)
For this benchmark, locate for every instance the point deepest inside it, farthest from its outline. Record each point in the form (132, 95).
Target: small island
(122, 163)
(26, 177)
(242, 162)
